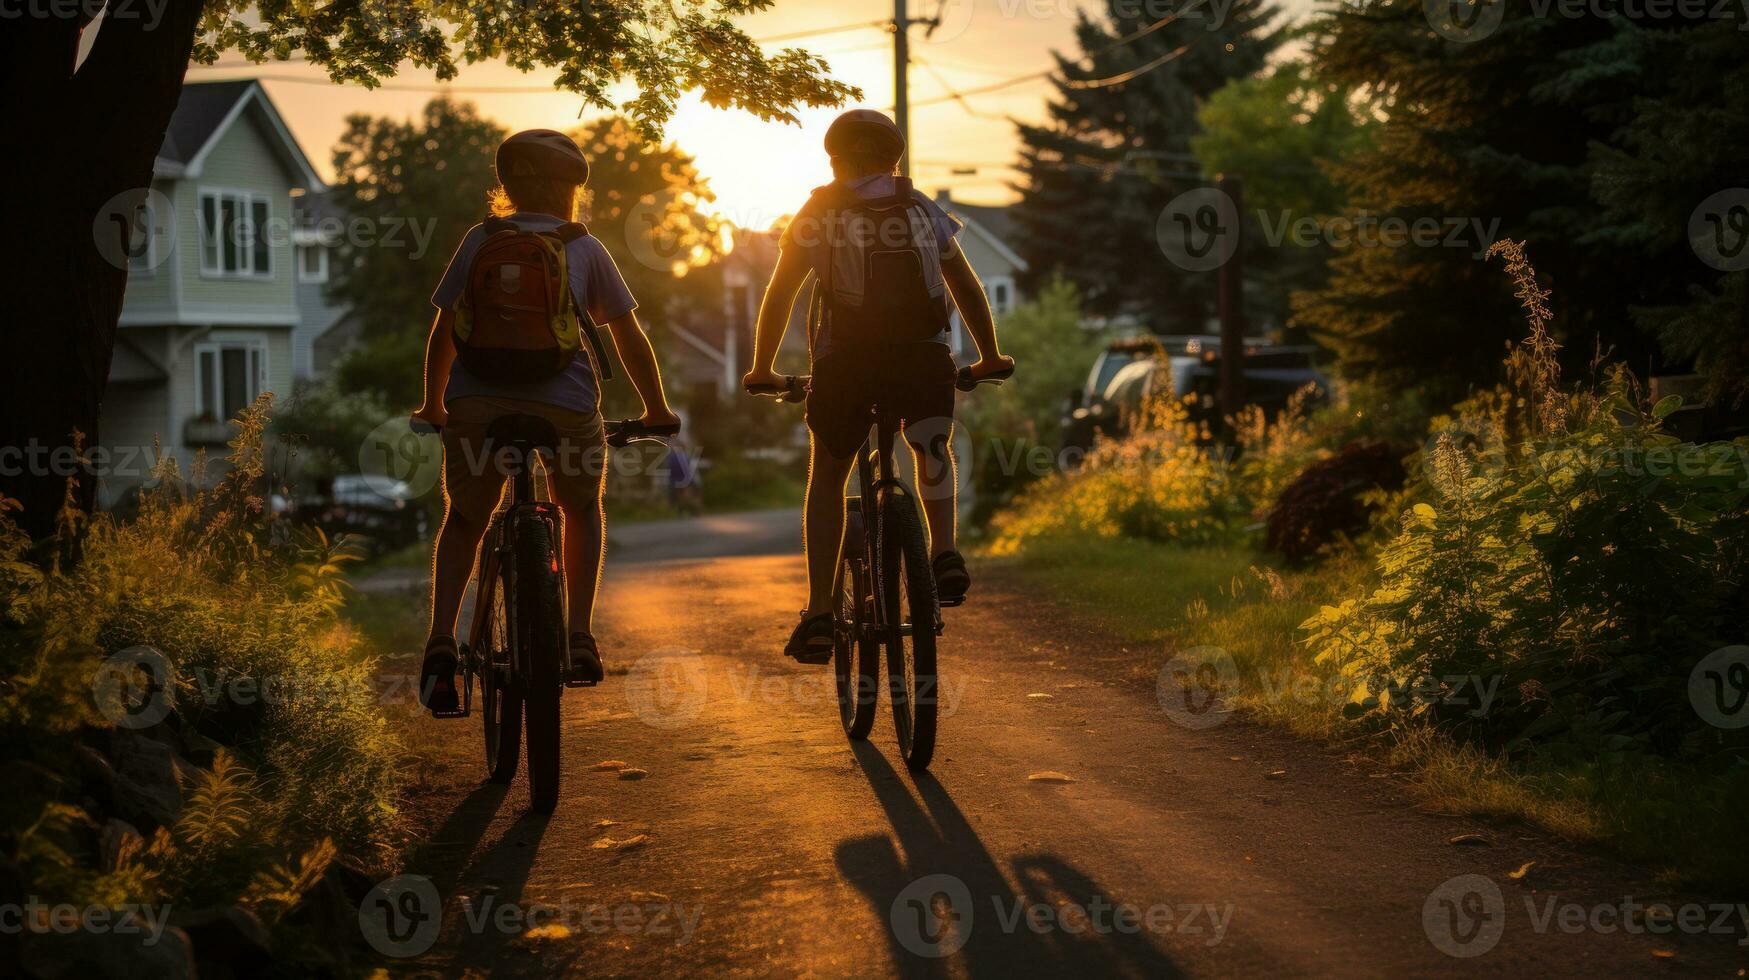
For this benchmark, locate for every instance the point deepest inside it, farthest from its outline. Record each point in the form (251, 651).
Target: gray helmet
(542, 153)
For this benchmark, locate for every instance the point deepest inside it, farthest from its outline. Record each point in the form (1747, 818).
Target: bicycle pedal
(581, 683)
(459, 713)
(951, 603)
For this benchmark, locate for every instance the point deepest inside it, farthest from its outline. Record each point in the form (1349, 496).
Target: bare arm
(639, 359)
(439, 358)
(774, 312)
(974, 307)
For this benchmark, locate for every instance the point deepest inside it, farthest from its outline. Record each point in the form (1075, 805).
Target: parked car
(378, 507)
(1127, 373)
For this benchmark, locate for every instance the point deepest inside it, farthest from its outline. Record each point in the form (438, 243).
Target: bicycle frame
(875, 472)
(497, 548)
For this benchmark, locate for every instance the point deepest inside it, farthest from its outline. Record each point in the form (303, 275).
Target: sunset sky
(980, 42)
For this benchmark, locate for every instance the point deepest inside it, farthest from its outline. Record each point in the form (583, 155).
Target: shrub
(1561, 545)
(1332, 499)
(275, 785)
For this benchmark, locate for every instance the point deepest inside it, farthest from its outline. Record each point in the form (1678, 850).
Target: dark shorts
(914, 382)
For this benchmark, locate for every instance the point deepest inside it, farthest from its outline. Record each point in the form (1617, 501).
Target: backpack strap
(567, 233)
(570, 231)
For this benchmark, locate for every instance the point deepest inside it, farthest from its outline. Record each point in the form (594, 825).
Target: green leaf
(1666, 405)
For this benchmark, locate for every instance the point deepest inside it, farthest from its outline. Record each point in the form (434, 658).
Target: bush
(1332, 499)
(278, 738)
(1561, 545)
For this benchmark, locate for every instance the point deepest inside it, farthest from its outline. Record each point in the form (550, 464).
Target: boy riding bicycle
(514, 335)
(887, 265)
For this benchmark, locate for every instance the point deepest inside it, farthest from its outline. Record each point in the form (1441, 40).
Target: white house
(225, 288)
(985, 242)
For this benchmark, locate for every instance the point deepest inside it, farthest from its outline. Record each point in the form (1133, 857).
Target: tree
(86, 136)
(1530, 126)
(436, 171)
(1117, 151)
(1281, 132)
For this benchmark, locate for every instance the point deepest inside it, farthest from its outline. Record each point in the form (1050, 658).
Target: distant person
(904, 362)
(539, 173)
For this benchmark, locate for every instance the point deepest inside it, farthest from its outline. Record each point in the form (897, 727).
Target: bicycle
(884, 574)
(517, 645)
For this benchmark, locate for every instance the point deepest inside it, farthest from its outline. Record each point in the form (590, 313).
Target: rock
(611, 765)
(117, 836)
(1469, 840)
(633, 773)
(228, 941)
(86, 955)
(146, 778)
(1051, 776)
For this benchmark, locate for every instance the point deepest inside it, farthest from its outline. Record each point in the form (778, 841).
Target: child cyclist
(887, 263)
(513, 336)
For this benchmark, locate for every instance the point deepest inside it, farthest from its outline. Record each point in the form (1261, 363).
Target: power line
(955, 95)
(838, 29)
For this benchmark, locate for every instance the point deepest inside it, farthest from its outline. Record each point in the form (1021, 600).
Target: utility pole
(902, 79)
(1232, 308)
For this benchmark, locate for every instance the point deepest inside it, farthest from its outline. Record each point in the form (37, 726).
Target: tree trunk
(80, 139)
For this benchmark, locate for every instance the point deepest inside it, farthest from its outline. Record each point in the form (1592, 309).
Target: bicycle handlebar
(624, 432)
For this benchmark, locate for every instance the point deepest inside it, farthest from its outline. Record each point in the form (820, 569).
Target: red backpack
(517, 320)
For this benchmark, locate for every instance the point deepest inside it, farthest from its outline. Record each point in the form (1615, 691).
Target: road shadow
(948, 909)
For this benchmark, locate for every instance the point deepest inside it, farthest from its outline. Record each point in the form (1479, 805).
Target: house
(985, 242)
(225, 286)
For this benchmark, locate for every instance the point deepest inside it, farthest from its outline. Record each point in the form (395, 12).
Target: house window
(312, 263)
(1001, 295)
(229, 378)
(233, 234)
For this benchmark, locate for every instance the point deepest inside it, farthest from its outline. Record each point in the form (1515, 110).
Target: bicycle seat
(522, 434)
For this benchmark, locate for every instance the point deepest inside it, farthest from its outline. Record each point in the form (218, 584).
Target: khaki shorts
(474, 477)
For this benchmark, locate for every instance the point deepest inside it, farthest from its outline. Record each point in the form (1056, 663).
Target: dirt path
(759, 842)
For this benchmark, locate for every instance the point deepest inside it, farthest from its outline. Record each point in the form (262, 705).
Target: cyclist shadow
(967, 899)
(476, 882)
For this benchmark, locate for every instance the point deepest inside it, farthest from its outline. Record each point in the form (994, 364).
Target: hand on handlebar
(787, 388)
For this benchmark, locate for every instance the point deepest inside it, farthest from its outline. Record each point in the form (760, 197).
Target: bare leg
(458, 542)
(823, 522)
(579, 496)
(932, 450)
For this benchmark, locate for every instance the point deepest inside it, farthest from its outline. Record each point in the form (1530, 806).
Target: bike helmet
(864, 133)
(541, 153)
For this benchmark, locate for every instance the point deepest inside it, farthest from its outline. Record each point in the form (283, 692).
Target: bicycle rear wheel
(856, 660)
(500, 702)
(908, 598)
(540, 634)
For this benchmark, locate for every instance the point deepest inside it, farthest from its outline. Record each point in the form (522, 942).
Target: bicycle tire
(540, 617)
(908, 595)
(500, 701)
(856, 659)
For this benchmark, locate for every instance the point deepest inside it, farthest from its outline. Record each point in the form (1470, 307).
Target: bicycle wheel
(540, 641)
(500, 702)
(856, 660)
(908, 598)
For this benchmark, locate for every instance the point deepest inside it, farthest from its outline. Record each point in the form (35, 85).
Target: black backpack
(881, 282)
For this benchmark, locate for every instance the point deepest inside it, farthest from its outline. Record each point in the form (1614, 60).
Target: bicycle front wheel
(907, 587)
(540, 629)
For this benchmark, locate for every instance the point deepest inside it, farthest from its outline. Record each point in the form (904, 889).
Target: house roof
(992, 224)
(205, 110)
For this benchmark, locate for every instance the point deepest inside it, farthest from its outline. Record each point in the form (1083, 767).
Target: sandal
(813, 640)
(951, 578)
(437, 690)
(585, 667)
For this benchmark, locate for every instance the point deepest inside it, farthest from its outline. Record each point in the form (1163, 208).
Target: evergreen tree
(1532, 125)
(1097, 177)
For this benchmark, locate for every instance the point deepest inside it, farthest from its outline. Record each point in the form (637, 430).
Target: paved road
(758, 842)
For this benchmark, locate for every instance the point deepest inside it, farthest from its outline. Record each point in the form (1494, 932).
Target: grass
(1164, 599)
